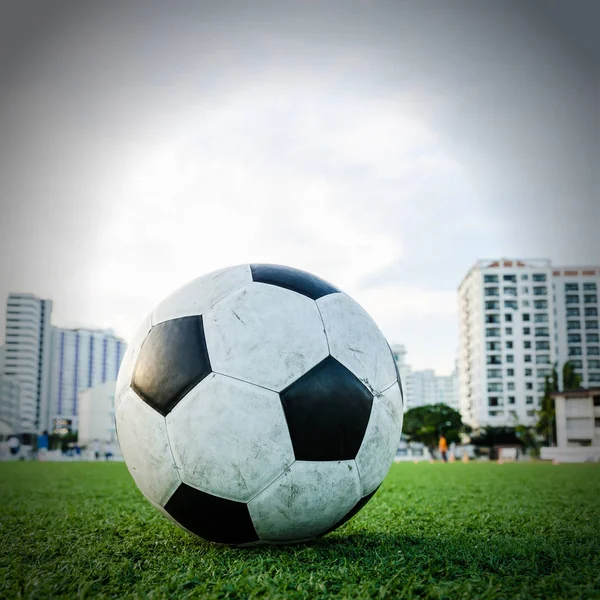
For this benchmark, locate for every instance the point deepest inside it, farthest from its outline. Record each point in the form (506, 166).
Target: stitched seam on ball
(262, 387)
(272, 482)
(171, 451)
(324, 330)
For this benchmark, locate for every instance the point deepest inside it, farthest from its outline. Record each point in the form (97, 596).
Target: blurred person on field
(443, 447)
(108, 450)
(43, 442)
(96, 448)
(14, 445)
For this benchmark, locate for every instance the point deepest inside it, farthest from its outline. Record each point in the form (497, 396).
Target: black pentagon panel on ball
(292, 279)
(212, 518)
(172, 360)
(327, 411)
(356, 508)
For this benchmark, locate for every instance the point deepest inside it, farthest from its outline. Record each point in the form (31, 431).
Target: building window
(574, 350)
(531, 413)
(593, 350)
(591, 324)
(576, 364)
(510, 291)
(541, 386)
(571, 287)
(526, 330)
(529, 400)
(528, 385)
(542, 332)
(542, 359)
(538, 277)
(524, 277)
(509, 345)
(526, 317)
(527, 344)
(524, 290)
(494, 386)
(510, 386)
(494, 373)
(542, 345)
(511, 304)
(596, 400)
(492, 291)
(540, 290)
(509, 277)
(541, 318)
(594, 377)
(589, 287)
(492, 318)
(493, 346)
(540, 304)
(509, 358)
(494, 359)
(494, 401)
(490, 279)
(573, 311)
(508, 317)
(492, 332)
(542, 373)
(590, 298)
(525, 303)
(591, 311)
(510, 372)
(492, 305)
(508, 330)
(591, 338)
(527, 358)
(511, 399)
(574, 338)
(528, 372)
(593, 363)
(572, 299)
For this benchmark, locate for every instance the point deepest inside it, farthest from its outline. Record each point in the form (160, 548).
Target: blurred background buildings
(517, 318)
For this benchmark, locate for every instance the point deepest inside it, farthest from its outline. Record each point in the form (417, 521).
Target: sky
(384, 146)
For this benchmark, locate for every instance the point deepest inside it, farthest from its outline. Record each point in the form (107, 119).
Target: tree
(425, 424)
(571, 380)
(546, 424)
(528, 438)
(492, 436)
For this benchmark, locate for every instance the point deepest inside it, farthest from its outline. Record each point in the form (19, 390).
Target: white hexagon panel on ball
(265, 335)
(229, 438)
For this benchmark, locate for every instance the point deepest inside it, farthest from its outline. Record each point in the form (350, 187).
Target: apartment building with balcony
(506, 340)
(577, 321)
(577, 426)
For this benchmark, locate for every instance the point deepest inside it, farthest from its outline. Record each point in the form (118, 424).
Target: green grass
(432, 531)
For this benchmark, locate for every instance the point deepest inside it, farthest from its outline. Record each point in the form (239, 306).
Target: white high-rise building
(506, 340)
(10, 402)
(576, 317)
(96, 420)
(425, 387)
(399, 353)
(81, 359)
(429, 388)
(447, 389)
(27, 354)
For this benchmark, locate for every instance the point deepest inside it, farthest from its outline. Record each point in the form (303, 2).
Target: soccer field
(433, 530)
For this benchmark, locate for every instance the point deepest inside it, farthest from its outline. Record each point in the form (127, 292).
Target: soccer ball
(258, 404)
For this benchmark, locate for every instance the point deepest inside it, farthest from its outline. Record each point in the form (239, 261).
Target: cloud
(224, 190)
